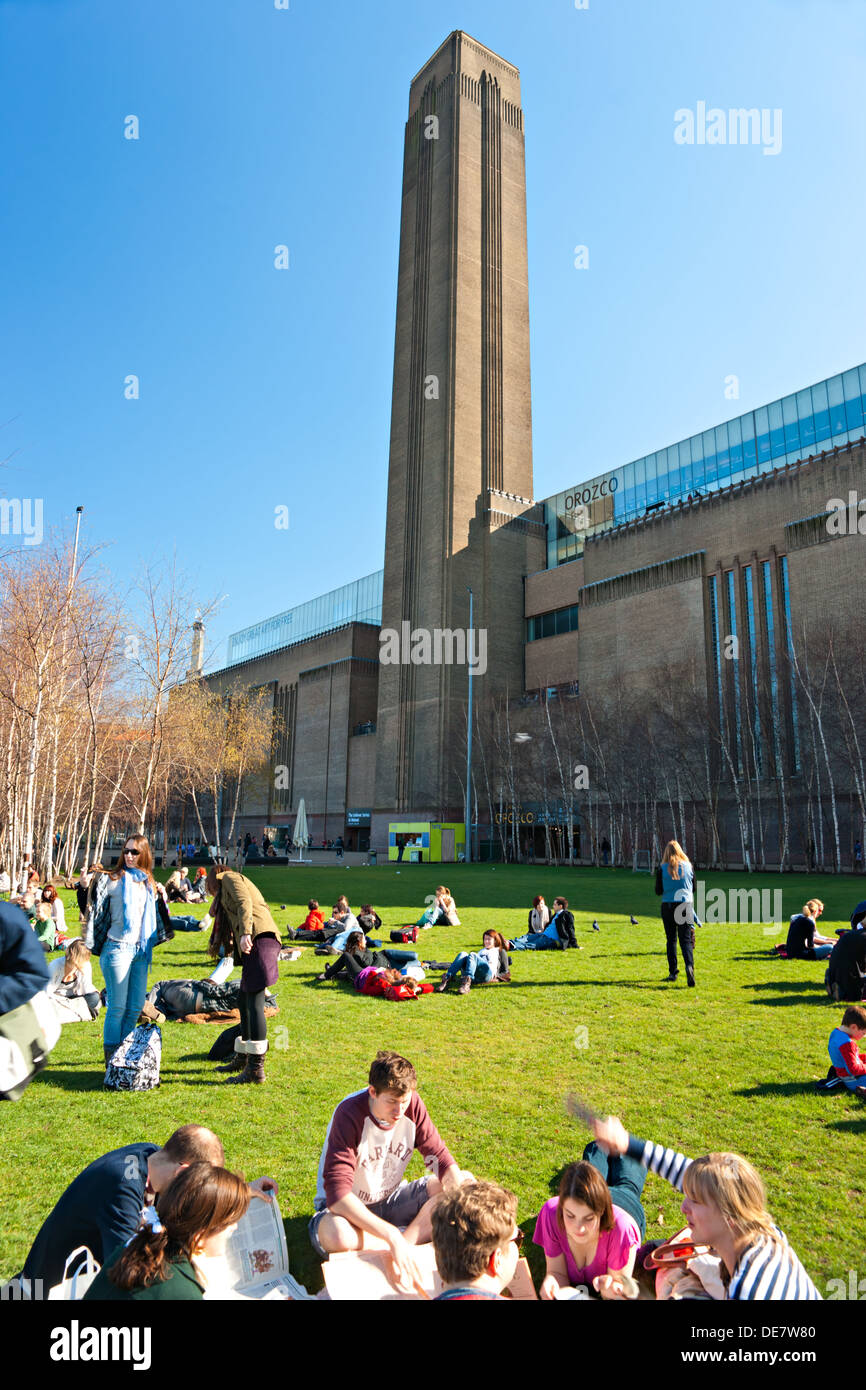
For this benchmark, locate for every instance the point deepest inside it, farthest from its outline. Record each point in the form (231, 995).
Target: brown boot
(235, 1063)
(243, 1077)
(253, 1073)
(108, 1051)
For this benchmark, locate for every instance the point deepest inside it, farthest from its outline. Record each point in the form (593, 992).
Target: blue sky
(262, 388)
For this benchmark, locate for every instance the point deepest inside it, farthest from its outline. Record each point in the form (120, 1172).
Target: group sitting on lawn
(158, 1219)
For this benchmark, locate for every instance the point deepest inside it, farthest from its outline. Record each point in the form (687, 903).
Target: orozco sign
(591, 493)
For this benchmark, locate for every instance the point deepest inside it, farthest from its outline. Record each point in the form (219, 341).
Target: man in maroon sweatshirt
(362, 1200)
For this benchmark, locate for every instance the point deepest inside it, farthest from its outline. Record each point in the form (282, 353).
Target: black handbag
(660, 888)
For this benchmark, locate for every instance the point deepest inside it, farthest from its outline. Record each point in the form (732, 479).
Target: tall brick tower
(461, 425)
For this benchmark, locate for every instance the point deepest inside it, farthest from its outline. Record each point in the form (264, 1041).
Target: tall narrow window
(771, 660)
(736, 751)
(789, 643)
(753, 669)
(717, 650)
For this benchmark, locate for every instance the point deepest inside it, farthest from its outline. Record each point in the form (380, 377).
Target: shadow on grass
(598, 984)
(851, 1125)
(304, 1263)
(818, 996)
(779, 1088)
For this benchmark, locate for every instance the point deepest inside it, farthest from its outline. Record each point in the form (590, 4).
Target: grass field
(728, 1065)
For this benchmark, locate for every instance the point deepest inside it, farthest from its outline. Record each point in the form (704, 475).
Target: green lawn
(729, 1065)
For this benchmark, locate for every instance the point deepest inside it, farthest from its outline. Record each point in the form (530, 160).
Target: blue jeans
(398, 958)
(186, 924)
(471, 965)
(125, 970)
(822, 952)
(625, 1177)
(534, 941)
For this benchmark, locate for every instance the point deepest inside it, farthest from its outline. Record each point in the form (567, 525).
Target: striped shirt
(767, 1268)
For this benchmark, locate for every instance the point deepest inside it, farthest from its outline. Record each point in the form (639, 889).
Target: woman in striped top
(725, 1208)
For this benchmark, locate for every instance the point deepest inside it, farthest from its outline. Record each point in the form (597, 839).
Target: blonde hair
(811, 905)
(674, 856)
(731, 1185)
(77, 955)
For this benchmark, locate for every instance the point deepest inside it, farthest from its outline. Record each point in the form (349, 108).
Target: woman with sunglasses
(122, 931)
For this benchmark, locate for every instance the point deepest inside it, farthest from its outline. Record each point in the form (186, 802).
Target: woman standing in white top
(126, 955)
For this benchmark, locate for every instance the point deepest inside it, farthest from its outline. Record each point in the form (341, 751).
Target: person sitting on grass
(341, 922)
(198, 892)
(357, 957)
(102, 1207)
(846, 967)
(193, 1218)
(591, 1232)
(558, 935)
(58, 912)
(313, 924)
(490, 964)
(477, 1242)
(725, 1207)
(845, 1055)
(803, 942)
(539, 915)
(43, 925)
(71, 986)
(442, 911)
(362, 1200)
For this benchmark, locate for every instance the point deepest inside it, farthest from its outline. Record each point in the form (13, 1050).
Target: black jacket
(565, 929)
(353, 962)
(101, 1209)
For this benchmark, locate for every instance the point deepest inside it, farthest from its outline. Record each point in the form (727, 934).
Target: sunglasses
(136, 852)
(518, 1237)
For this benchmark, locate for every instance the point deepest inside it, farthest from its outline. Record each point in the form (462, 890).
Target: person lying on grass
(725, 1207)
(357, 957)
(390, 984)
(591, 1231)
(489, 964)
(362, 1199)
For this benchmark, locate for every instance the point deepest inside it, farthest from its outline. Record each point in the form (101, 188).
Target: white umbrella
(301, 839)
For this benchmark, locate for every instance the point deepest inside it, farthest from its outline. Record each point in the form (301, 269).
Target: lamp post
(468, 808)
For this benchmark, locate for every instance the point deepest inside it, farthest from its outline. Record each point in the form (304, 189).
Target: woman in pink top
(586, 1239)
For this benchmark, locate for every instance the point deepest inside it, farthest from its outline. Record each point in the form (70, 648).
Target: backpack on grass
(404, 934)
(134, 1064)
